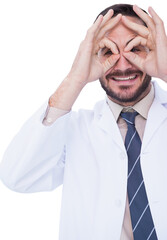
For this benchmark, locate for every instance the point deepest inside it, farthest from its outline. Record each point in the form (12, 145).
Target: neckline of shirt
(142, 107)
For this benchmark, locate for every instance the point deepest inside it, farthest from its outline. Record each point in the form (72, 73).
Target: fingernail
(124, 17)
(110, 11)
(151, 8)
(135, 6)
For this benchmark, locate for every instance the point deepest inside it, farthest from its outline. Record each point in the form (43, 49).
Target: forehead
(122, 34)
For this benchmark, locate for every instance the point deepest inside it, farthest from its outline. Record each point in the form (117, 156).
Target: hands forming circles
(152, 39)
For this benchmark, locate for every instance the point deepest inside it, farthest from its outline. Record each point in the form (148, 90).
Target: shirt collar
(142, 107)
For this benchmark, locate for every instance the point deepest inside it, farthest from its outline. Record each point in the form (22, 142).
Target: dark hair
(124, 9)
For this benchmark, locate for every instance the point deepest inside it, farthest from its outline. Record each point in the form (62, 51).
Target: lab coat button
(118, 202)
(49, 120)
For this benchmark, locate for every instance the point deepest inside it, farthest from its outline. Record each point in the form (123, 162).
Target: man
(85, 151)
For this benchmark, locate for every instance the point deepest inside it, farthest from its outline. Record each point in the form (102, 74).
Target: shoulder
(160, 92)
(160, 89)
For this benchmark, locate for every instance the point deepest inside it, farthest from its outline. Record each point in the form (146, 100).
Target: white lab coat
(86, 153)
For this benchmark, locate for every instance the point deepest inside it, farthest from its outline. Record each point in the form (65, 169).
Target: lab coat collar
(105, 119)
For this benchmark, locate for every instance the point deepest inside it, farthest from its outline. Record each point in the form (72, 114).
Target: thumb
(134, 59)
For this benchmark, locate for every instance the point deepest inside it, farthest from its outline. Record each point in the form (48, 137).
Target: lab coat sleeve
(35, 159)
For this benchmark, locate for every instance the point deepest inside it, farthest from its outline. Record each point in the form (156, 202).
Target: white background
(38, 42)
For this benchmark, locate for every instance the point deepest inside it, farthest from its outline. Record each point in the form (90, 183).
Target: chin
(127, 95)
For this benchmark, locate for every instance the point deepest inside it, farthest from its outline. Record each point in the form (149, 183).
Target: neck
(133, 102)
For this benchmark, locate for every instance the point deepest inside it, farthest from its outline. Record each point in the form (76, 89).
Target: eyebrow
(126, 43)
(130, 41)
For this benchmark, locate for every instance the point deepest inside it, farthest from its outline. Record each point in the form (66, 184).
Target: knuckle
(82, 44)
(160, 21)
(89, 31)
(147, 32)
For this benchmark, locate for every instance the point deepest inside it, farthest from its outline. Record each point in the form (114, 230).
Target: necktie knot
(129, 117)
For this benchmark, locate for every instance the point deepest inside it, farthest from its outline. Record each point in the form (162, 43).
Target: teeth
(124, 78)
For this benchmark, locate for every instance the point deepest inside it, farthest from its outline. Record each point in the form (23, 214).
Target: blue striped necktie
(142, 222)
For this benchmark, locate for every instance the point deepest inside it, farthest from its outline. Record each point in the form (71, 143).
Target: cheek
(143, 77)
(143, 54)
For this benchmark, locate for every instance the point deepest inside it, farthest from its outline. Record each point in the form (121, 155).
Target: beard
(126, 97)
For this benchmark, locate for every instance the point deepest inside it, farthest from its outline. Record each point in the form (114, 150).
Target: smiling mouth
(125, 78)
(128, 75)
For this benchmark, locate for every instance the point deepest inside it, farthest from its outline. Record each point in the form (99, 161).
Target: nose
(122, 64)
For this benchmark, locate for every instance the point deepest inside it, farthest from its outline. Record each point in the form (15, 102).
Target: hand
(87, 66)
(154, 39)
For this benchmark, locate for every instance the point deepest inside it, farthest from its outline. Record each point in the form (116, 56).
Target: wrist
(66, 94)
(76, 80)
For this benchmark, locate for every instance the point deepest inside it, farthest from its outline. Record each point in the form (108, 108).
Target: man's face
(124, 83)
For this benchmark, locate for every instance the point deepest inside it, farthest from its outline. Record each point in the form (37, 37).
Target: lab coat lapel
(156, 116)
(106, 121)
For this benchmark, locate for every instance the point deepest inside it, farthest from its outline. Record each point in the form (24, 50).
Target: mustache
(119, 73)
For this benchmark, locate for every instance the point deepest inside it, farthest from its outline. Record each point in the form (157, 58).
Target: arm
(86, 67)
(35, 159)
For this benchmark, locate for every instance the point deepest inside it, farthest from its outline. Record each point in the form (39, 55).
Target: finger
(134, 59)
(105, 44)
(107, 17)
(108, 26)
(110, 62)
(155, 16)
(139, 29)
(145, 17)
(160, 29)
(141, 44)
(91, 31)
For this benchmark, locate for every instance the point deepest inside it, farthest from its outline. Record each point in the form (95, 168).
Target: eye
(108, 52)
(135, 49)
(105, 52)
